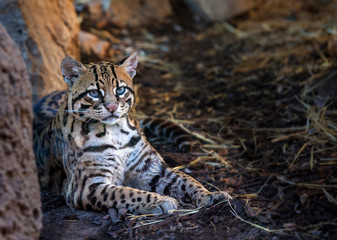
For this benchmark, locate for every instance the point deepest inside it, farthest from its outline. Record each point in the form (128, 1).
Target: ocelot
(91, 151)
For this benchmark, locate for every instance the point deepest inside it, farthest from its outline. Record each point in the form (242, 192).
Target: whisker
(75, 111)
(90, 119)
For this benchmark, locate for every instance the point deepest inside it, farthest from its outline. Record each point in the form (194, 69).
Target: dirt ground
(258, 93)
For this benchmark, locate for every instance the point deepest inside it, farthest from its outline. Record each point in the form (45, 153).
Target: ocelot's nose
(111, 107)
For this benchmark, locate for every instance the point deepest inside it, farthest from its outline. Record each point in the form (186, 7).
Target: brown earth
(259, 95)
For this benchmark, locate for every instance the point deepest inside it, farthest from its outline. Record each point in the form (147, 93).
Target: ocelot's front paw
(211, 198)
(162, 206)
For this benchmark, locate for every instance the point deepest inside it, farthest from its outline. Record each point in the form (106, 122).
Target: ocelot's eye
(93, 93)
(120, 90)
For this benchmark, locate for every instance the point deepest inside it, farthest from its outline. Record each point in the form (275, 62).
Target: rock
(212, 10)
(92, 14)
(20, 207)
(90, 44)
(95, 10)
(136, 13)
(46, 32)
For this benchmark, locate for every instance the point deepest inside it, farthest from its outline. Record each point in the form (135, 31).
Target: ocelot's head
(100, 91)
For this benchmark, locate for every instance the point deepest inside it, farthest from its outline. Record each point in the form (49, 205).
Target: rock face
(136, 13)
(20, 207)
(212, 10)
(90, 44)
(46, 32)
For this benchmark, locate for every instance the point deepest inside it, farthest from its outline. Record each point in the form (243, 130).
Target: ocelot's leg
(155, 176)
(98, 191)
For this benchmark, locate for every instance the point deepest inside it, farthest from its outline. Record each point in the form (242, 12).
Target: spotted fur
(47, 108)
(91, 151)
(169, 131)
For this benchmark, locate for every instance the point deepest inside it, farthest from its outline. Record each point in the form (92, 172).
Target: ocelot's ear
(130, 64)
(71, 70)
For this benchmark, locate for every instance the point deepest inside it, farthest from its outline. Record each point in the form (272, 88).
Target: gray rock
(217, 10)
(20, 206)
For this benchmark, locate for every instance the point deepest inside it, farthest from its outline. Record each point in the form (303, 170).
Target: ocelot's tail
(170, 131)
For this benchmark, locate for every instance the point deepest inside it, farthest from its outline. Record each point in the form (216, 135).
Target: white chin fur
(110, 120)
